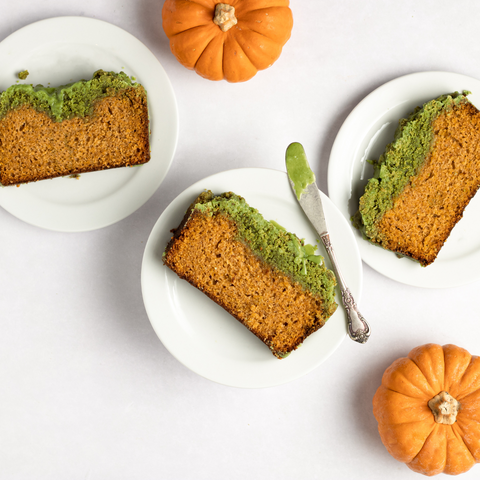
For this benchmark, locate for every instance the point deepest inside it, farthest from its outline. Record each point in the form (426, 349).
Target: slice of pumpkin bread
(424, 179)
(81, 127)
(263, 275)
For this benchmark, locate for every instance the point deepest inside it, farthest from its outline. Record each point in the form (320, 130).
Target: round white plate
(198, 332)
(66, 49)
(364, 135)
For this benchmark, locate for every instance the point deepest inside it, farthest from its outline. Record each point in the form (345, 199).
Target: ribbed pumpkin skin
(236, 55)
(406, 423)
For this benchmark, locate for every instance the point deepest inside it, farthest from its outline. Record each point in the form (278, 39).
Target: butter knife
(302, 181)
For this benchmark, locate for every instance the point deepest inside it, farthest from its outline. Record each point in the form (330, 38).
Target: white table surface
(88, 391)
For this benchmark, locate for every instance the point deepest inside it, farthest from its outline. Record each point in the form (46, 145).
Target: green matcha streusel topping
(273, 244)
(23, 74)
(66, 101)
(401, 161)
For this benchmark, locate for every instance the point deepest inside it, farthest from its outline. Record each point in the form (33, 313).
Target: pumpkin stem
(224, 16)
(444, 408)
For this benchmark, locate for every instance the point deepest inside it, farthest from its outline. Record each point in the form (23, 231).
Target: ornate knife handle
(358, 328)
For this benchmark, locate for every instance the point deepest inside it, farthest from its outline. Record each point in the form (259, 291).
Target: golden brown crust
(34, 147)
(425, 213)
(205, 251)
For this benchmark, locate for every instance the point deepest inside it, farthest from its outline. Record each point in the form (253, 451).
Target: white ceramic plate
(65, 49)
(364, 135)
(198, 332)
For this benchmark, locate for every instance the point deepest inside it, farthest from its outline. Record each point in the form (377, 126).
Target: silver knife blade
(311, 203)
(302, 181)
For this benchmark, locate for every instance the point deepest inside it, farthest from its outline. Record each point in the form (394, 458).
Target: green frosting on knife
(298, 168)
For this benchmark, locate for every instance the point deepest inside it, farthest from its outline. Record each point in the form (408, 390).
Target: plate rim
(154, 236)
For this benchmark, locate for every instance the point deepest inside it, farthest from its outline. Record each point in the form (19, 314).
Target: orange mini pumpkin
(428, 409)
(230, 41)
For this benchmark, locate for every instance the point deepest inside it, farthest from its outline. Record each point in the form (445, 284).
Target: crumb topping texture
(66, 101)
